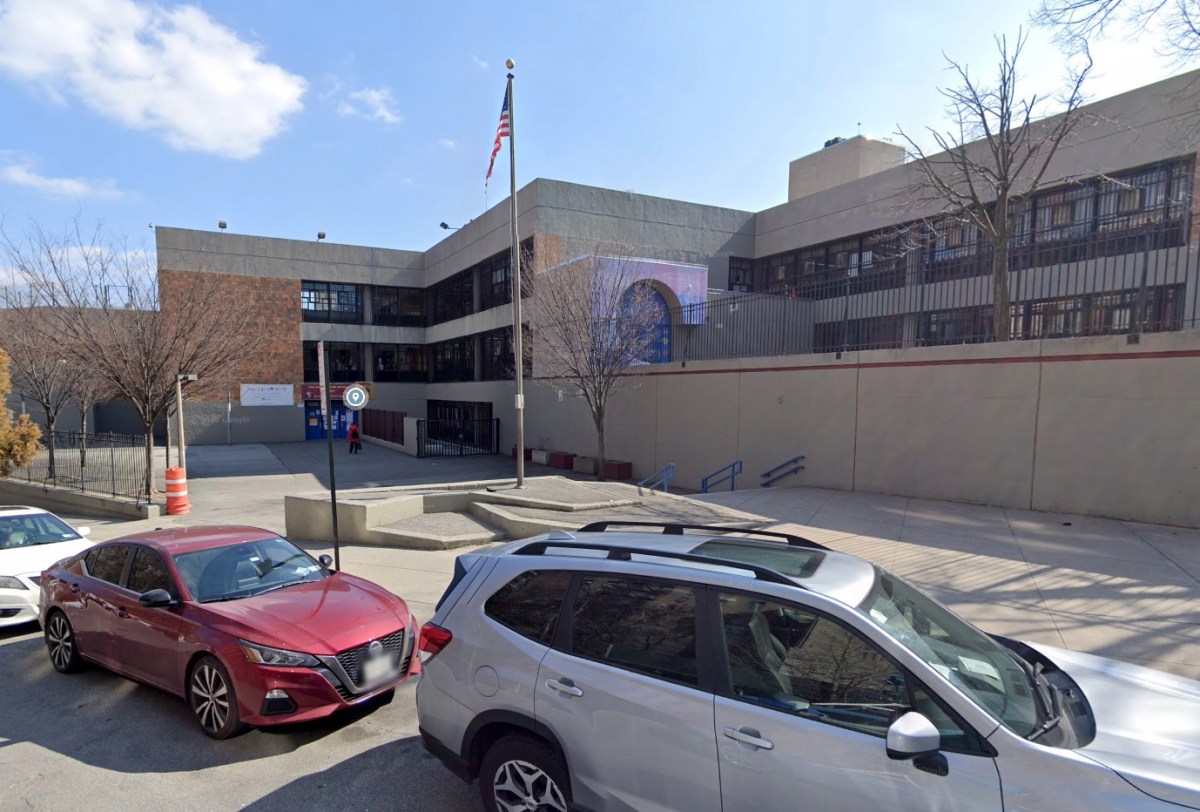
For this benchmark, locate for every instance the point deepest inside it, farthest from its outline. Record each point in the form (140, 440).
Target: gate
(457, 438)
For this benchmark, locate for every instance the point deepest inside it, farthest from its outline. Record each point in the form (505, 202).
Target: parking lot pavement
(1117, 588)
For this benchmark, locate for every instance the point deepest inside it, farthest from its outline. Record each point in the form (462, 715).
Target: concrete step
(436, 531)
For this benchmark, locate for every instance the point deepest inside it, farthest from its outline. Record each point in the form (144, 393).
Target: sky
(373, 120)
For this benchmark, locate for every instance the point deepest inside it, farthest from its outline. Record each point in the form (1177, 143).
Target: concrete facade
(1017, 424)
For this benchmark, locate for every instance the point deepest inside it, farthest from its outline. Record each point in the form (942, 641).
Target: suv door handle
(564, 686)
(750, 736)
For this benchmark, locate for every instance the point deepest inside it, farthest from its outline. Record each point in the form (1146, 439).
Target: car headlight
(11, 582)
(265, 655)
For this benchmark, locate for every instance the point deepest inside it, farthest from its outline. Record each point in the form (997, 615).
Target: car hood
(320, 617)
(35, 558)
(1147, 723)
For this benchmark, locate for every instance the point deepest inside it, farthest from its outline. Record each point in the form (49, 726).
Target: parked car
(31, 539)
(243, 624)
(704, 669)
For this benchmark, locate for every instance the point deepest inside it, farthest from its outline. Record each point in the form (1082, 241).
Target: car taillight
(433, 639)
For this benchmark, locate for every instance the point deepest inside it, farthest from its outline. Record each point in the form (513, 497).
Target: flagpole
(515, 265)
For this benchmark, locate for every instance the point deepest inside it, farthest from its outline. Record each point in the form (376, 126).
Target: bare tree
(18, 437)
(591, 319)
(106, 303)
(992, 160)
(1078, 22)
(42, 370)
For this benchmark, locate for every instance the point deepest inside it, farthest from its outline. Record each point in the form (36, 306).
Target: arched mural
(659, 350)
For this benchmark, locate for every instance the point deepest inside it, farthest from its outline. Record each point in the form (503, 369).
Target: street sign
(355, 397)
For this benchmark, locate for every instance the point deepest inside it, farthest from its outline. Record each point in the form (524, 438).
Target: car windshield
(33, 529)
(246, 569)
(975, 663)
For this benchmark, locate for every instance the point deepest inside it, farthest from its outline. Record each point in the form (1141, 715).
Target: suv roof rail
(676, 529)
(618, 553)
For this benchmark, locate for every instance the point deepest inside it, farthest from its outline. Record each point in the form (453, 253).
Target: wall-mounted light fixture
(221, 224)
(320, 235)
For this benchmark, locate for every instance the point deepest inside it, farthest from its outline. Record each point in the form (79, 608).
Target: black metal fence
(1128, 282)
(109, 464)
(457, 438)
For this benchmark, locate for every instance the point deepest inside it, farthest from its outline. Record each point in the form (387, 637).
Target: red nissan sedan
(243, 624)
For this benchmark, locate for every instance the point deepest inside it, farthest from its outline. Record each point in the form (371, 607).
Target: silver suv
(698, 668)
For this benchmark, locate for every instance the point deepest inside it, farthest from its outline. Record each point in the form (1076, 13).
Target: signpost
(327, 419)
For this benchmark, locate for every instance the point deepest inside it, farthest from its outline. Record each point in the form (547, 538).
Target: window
(495, 281)
(798, 662)
(530, 603)
(331, 302)
(453, 360)
(107, 563)
(403, 307)
(452, 298)
(640, 625)
(403, 363)
(149, 572)
(496, 362)
(345, 363)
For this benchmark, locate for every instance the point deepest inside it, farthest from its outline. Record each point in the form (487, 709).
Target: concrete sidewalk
(1120, 589)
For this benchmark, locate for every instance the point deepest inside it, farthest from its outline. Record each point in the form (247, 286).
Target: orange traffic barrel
(177, 495)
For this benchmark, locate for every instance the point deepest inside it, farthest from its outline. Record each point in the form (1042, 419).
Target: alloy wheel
(519, 786)
(61, 641)
(210, 697)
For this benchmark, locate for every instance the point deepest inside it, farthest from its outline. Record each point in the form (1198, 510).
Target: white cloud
(23, 174)
(448, 143)
(482, 65)
(174, 72)
(371, 103)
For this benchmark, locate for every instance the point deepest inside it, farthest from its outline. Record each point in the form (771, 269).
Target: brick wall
(276, 355)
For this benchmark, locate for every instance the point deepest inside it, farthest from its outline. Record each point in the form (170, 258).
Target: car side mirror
(83, 531)
(912, 736)
(326, 561)
(157, 598)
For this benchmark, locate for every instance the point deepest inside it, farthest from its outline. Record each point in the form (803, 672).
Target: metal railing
(660, 477)
(728, 473)
(1136, 280)
(457, 438)
(777, 473)
(109, 464)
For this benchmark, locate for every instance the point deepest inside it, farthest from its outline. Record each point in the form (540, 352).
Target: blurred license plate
(377, 669)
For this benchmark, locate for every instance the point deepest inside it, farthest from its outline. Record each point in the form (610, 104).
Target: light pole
(180, 380)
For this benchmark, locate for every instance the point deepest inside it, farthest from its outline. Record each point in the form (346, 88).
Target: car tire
(212, 698)
(520, 772)
(61, 644)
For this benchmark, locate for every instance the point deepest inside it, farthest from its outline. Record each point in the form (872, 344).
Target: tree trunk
(599, 418)
(50, 421)
(148, 428)
(1002, 301)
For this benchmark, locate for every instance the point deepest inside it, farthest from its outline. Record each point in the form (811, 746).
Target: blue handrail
(660, 477)
(730, 472)
(792, 462)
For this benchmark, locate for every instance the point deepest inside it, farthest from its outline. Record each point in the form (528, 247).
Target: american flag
(501, 132)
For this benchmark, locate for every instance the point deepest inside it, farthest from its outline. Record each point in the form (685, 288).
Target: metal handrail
(734, 468)
(794, 469)
(660, 477)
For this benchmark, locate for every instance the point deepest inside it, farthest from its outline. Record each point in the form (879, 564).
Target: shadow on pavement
(105, 720)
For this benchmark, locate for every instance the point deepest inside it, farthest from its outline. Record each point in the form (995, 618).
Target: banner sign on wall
(268, 394)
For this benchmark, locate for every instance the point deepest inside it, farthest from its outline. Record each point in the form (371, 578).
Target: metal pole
(179, 418)
(518, 337)
(337, 550)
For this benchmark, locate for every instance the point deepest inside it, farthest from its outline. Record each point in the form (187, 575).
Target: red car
(243, 624)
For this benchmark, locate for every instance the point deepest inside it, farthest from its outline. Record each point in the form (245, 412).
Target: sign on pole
(355, 397)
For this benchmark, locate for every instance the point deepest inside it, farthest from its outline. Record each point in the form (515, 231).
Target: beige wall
(1095, 426)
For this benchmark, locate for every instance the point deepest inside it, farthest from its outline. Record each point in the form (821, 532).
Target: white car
(31, 540)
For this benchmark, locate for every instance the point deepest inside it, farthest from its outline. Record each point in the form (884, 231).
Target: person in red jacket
(353, 436)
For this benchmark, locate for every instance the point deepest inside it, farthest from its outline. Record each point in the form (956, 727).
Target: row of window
(1157, 309)
(814, 666)
(1140, 209)
(481, 287)
(446, 361)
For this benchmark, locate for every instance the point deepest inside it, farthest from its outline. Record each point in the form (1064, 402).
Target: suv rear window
(529, 604)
